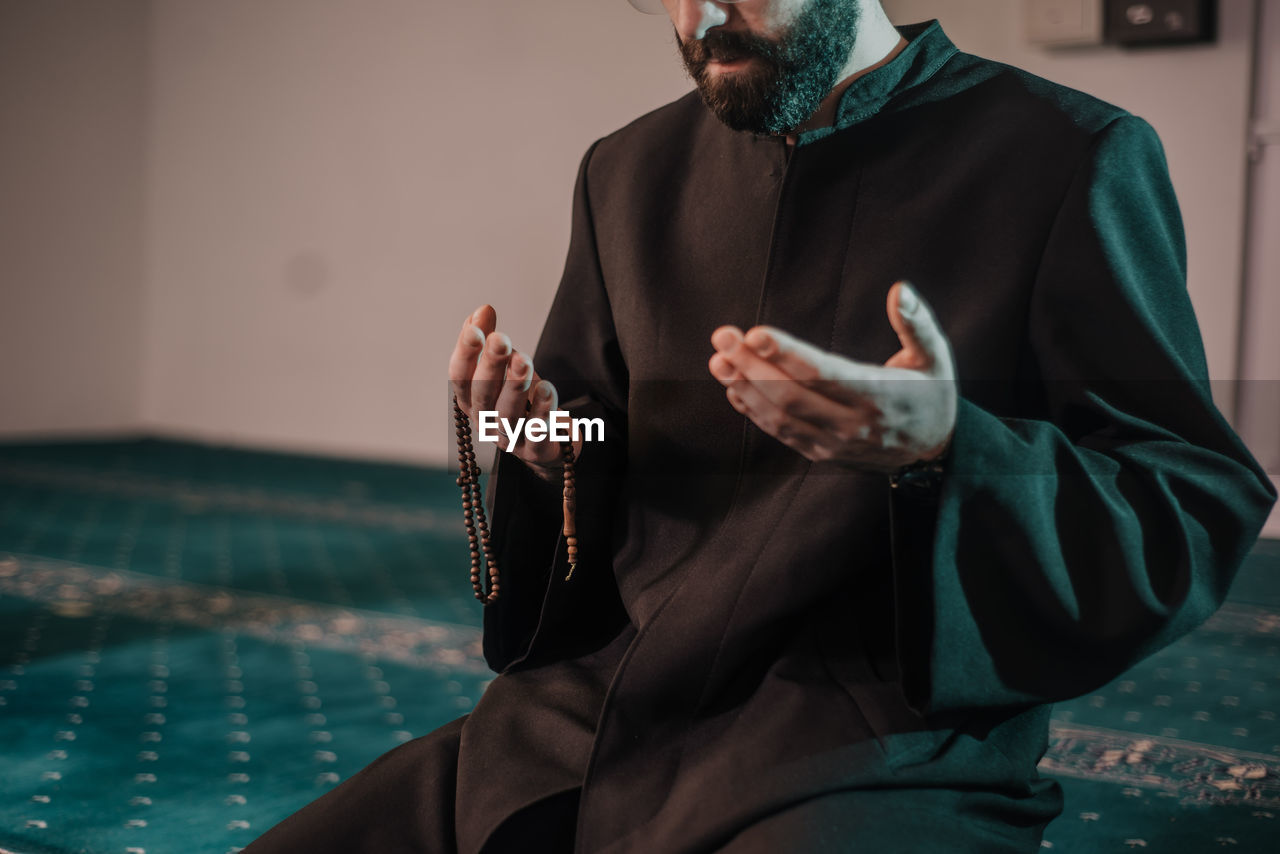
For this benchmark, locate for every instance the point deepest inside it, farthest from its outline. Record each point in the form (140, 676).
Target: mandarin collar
(928, 49)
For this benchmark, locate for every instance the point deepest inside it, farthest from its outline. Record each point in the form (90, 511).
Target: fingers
(924, 346)
(777, 403)
(829, 407)
(462, 363)
(489, 366)
(834, 377)
(486, 318)
(466, 352)
(793, 432)
(544, 398)
(796, 358)
(488, 374)
(725, 339)
(766, 389)
(513, 401)
(491, 371)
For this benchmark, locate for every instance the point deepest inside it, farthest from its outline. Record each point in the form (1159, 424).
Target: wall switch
(1063, 23)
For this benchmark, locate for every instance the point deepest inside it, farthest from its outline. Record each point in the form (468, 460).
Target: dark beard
(790, 75)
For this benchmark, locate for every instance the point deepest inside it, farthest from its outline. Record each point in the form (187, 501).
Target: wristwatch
(922, 476)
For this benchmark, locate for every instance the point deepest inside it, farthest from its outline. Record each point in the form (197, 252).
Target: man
(833, 569)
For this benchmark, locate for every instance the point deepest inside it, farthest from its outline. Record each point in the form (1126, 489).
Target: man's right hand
(487, 373)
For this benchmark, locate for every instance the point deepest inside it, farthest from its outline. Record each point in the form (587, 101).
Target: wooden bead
(476, 523)
(477, 526)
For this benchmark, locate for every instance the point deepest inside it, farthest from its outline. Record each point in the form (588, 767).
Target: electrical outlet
(1063, 23)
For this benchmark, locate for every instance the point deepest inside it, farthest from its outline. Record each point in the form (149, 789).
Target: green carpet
(196, 641)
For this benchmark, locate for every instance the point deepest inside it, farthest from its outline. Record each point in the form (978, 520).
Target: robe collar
(928, 49)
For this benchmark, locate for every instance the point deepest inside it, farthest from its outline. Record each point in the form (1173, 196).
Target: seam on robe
(844, 265)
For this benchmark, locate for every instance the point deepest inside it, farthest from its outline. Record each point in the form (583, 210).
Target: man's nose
(693, 18)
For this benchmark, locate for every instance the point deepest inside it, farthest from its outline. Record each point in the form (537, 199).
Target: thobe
(760, 653)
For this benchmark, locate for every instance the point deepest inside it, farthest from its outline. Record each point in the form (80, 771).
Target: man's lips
(730, 61)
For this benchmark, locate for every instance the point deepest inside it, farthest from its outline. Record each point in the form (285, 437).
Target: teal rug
(196, 641)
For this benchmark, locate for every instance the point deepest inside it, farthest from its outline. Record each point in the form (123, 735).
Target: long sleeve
(1064, 547)
(578, 352)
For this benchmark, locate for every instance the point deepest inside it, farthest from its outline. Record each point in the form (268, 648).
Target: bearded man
(833, 569)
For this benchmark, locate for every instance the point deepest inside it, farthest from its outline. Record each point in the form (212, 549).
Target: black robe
(752, 636)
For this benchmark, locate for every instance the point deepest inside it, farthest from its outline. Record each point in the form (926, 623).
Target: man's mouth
(730, 60)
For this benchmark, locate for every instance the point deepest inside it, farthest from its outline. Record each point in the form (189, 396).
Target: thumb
(924, 346)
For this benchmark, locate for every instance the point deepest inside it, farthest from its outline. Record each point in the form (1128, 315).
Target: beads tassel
(570, 529)
(484, 569)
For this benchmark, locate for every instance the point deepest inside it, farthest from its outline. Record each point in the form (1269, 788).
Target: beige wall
(1259, 411)
(335, 185)
(72, 112)
(330, 186)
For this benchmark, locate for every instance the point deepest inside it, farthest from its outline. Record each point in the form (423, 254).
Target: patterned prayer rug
(196, 641)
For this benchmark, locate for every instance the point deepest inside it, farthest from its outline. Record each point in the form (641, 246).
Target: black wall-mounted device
(1157, 22)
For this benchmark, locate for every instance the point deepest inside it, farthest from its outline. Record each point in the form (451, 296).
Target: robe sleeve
(1061, 549)
(578, 351)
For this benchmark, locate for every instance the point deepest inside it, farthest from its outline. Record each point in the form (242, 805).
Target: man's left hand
(828, 407)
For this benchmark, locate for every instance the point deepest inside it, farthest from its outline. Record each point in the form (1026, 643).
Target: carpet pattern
(196, 641)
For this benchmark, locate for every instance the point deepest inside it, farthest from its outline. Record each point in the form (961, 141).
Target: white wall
(1196, 97)
(72, 112)
(334, 185)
